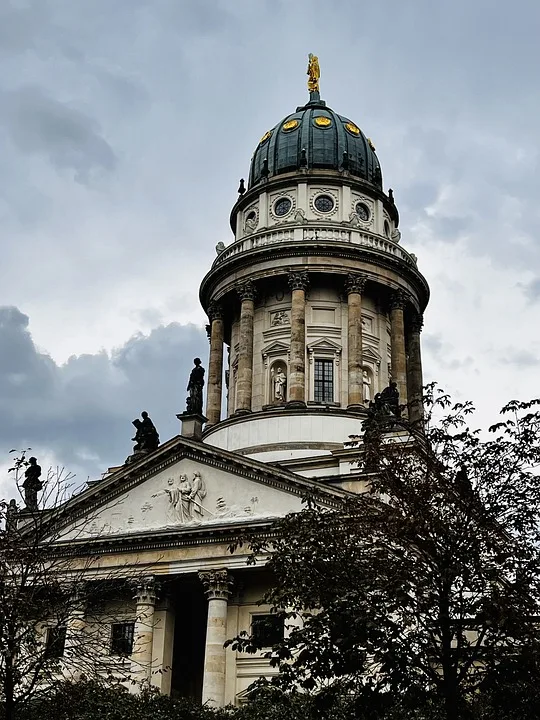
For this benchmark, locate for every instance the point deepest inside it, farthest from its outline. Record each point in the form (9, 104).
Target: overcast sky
(124, 128)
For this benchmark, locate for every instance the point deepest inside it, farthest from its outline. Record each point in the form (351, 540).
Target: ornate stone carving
(417, 322)
(246, 290)
(395, 235)
(215, 311)
(185, 498)
(299, 280)
(279, 383)
(220, 247)
(299, 216)
(355, 283)
(281, 317)
(398, 300)
(145, 591)
(217, 584)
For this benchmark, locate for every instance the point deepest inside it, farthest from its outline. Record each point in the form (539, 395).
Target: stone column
(143, 634)
(355, 287)
(296, 382)
(217, 585)
(215, 364)
(414, 369)
(78, 647)
(397, 341)
(244, 380)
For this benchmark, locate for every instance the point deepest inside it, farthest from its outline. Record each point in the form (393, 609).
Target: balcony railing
(312, 235)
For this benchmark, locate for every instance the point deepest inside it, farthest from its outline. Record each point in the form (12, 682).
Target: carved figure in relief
(280, 382)
(250, 225)
(198, 493)
(366, 385)
(185, 499)
(280, 318)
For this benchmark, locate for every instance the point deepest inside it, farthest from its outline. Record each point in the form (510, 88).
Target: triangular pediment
(276, 348)
(324, 344)
(186, 486)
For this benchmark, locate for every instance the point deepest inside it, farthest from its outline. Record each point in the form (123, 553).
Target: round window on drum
(324, 203)
(282, 207)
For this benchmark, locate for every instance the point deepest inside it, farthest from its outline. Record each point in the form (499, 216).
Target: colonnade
(406, 368)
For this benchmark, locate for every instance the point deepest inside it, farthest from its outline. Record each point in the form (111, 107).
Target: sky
(124, 129)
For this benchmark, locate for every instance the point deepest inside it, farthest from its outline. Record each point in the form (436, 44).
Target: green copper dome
(315, 137)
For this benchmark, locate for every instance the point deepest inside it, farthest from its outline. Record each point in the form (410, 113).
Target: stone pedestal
(397, 341)
(296, 390)
(217, 585)
(244, 381)
(143, 635)
(192, 425)
(355, 287)
(215, 365)
(414, 370)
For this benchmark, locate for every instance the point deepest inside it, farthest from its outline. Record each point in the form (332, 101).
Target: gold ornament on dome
(370, 143)
(322, 121)
(314, 73)
(352, 128)
(290, 125)
(265, 136)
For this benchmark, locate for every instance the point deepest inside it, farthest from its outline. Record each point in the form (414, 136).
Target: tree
(424, 583)
(53, 615)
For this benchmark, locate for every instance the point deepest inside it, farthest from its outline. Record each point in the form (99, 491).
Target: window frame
(129, 637)
(327, 386)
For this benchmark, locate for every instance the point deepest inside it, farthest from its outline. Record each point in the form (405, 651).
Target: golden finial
(314, 73)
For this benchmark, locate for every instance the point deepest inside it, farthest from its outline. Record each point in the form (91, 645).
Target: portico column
(217, 585)
(244, 381)
(296, 391)
(414, 369)
(77, 646)
(397, 341)
(215, 364)
(143, 634)
(355, 287)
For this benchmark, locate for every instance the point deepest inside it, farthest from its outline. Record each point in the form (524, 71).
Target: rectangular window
(324, 381)
(122, 638)
(56, 642)
(267, 630)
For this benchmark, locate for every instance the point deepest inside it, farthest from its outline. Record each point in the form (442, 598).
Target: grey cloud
(39, 124)
(81, 411)
(521, 358)
(532, 289)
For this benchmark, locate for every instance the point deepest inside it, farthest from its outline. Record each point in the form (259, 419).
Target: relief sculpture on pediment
(185, 498)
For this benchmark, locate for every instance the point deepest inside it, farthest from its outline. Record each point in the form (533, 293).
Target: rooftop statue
(194, 403)
(32, 484)
(314, 73)
(146, 437)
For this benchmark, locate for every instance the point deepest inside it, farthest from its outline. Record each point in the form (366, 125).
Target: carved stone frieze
(185, 498)
(217, 584)
(417, 322)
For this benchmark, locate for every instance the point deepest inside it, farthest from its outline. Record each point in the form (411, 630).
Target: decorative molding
(299, 280)
(246, 290)
(217, 584)
(355, 283)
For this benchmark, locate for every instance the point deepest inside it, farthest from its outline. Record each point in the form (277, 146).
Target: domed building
(314, 308)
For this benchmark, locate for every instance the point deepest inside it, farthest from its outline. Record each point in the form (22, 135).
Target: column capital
(215, 311)
(417, 322)
(299, 280)
(398, 300)
(246, 290)
(217, 583)
(145, 591)
(355, 283)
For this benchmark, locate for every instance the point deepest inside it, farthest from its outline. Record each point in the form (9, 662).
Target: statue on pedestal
(194, 403)
(32, 484)
(280, 382)
(390, 399)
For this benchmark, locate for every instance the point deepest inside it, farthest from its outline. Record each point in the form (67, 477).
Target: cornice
(299, 249)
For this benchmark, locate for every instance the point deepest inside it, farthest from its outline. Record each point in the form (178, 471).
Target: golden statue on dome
(314, 73)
